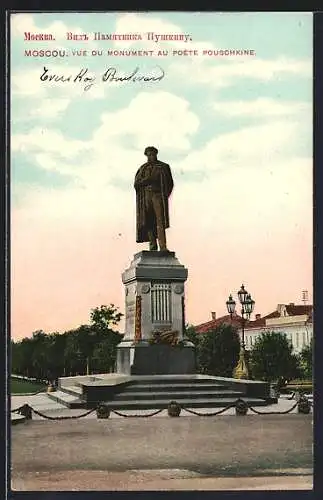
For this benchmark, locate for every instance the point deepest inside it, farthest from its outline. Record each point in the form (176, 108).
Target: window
(303, 338)
(297, 339)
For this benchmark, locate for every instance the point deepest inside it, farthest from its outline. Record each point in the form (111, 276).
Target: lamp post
(247, 306)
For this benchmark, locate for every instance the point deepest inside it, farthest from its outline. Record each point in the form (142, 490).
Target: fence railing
(173, 409)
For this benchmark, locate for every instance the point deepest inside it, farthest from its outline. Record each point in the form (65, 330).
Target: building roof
(257, 322)
(291, 309)
(296, 310)
(209, 325)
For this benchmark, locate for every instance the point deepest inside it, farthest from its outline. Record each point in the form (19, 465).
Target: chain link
(72, 417)
(273, 412)
(156, 412)
(17, 410)
(213, 414)
(137, 414)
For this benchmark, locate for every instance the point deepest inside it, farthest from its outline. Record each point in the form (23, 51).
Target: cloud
(145, 23)
(158, 118)
(225, 73)
(34, 99)
(50, 108)
(51, 141)
(21, 23)
(250, 146)
(208, 70)
(152, 117)
(27, 83)
(260, 107)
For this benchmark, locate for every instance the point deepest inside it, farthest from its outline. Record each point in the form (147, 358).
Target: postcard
(161, 250)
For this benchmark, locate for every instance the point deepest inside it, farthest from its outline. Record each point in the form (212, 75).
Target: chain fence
(208, 414)
(137, 414)
(26, 410)
(104, 411)
(253, 410)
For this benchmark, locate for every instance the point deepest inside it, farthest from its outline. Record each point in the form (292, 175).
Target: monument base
(159, 359)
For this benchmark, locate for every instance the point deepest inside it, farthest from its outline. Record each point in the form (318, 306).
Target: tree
(191, 334)
(22, 357)
(218, 351)
(306, 360)
(40, 355)
(17, 360)
(85, 349)
(56, 344)
(105, 349)
(74, 360)
(104, 316)
(105, 352)
(272, 358)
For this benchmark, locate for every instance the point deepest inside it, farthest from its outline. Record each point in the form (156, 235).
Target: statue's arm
(138, 179)
(141, 178)
(169, 177)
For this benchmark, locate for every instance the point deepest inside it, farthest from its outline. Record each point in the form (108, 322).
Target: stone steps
(74, 390)
(138, 387)
(156, 391)
(172, 379)
(188, 403)
(156, 395)
(67, 398)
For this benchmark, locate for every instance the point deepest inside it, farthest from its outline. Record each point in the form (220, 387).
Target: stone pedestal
(154, 300)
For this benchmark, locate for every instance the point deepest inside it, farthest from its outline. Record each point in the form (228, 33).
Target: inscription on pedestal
(161, 310)
(131, 309)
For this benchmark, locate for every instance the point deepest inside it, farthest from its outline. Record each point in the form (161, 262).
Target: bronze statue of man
(153, 185)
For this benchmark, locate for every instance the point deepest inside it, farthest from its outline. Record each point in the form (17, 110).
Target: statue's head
(151, 152)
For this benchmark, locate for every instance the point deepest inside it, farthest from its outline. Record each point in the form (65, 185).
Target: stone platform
(156, 391)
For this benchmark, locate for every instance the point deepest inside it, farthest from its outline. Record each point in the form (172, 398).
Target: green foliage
(306, 361)
(218, 351)
(106, 339)
(191, 334)
(104, 316)
(105, 352)
(272, 358)
(85, 349)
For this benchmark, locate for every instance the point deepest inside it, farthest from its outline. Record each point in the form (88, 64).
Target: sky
(236, 131)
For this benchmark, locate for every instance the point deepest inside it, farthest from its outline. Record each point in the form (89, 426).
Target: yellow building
(296, 321)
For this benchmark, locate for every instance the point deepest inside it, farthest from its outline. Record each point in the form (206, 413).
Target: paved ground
(223, 452)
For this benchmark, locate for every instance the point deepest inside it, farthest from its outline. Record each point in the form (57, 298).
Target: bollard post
(241, 408)
(26, 411)
(174, 409)
(102, 411)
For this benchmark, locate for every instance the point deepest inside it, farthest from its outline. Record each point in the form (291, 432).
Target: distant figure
(153, 185)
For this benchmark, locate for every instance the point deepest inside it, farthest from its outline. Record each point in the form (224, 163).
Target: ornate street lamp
(247, 307)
